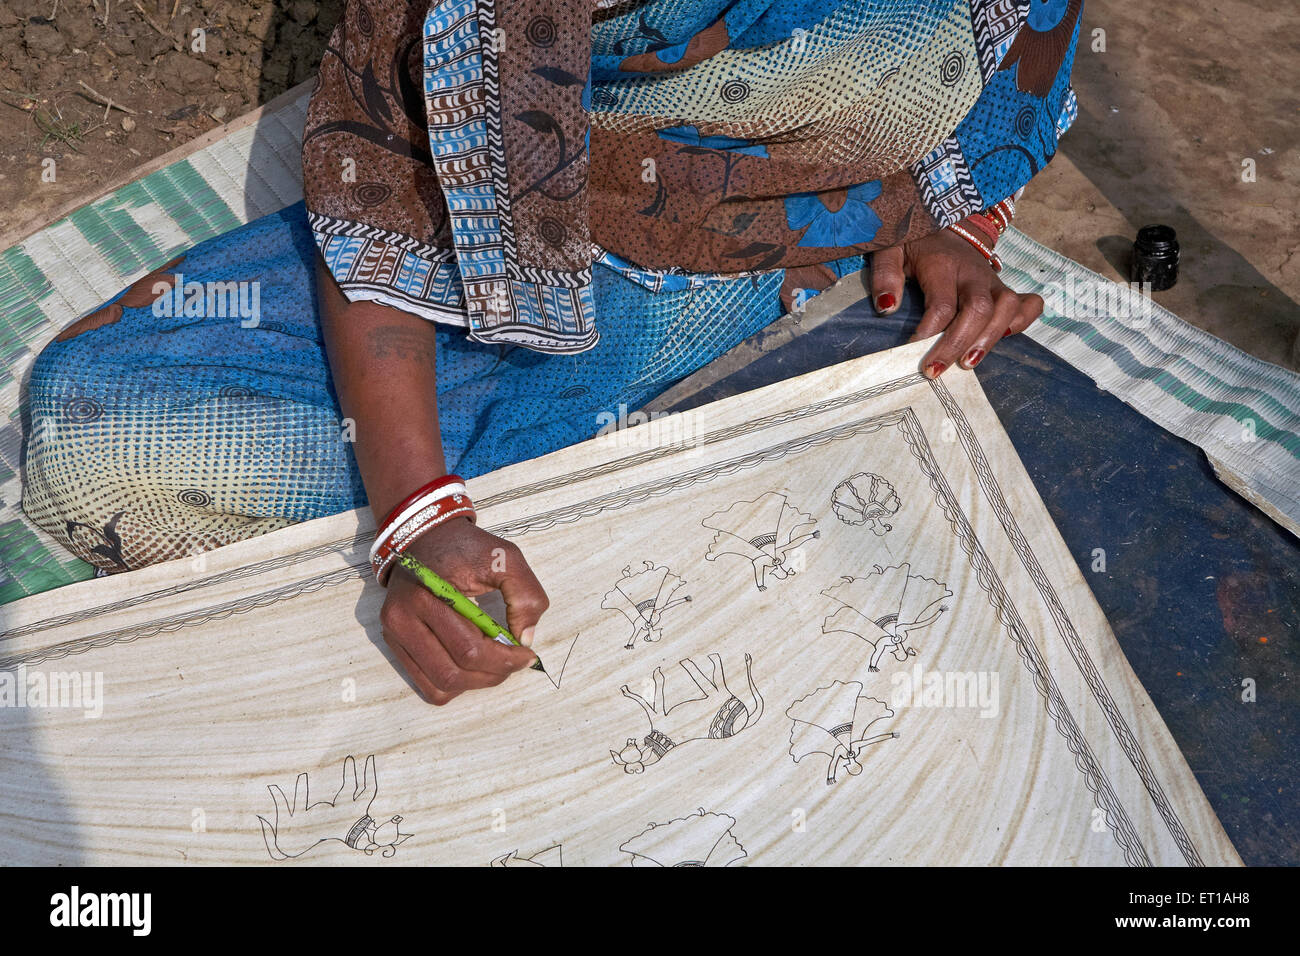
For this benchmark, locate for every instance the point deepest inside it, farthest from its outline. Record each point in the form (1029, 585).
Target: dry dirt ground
(1178, 99)
(145, 56)
(1183, 95)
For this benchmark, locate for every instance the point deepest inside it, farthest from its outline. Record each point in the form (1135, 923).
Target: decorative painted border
(1065, 627)
(905, 419)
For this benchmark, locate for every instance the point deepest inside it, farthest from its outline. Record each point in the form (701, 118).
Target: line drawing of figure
(301, 826)
(697, 839)
(717, 715)
(836, 722)
(551, 856)
(642, 597)
(885, 607)
(765, 531)
(866, 499)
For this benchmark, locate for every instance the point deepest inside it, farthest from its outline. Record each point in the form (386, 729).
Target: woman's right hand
(377, 352)
(442, 652)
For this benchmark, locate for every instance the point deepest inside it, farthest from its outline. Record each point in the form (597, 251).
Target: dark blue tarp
(1201, 589)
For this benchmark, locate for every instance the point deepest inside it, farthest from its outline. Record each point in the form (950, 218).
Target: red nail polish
(973, 357)
(884, 302)
(935, 369)
(1006, 333)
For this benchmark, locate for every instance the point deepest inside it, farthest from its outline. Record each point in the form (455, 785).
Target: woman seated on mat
(488, 184)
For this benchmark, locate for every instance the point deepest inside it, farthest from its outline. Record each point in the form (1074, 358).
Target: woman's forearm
(383, 361)
(384, 365)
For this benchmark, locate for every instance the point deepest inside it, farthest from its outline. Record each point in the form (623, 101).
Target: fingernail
(885, 301)
(934, 369)
(526, 638)
(972, 358)
(1006, 333)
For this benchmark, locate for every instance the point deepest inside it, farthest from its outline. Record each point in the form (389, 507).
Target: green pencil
(446, 592)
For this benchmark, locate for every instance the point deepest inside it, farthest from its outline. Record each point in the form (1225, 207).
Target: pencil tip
(537, 665)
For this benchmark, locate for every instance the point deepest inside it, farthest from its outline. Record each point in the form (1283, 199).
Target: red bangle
(974, 240)
(1001, 213)
(427, 518)
(985, 224)
(418, 493)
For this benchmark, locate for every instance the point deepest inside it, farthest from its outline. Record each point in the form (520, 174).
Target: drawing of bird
(837, 722)
(764, 531)
(884, 607)
(866, 499)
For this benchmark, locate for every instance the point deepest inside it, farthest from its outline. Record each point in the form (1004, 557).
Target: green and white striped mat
(1241, 410)
(73, 266)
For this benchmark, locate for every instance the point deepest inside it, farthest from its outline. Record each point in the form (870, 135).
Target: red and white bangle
(979, 244)
(983, 229)
(419, 493)
(1001, 214)
(438, 501)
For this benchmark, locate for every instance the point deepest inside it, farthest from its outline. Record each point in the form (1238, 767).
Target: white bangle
(386, 532)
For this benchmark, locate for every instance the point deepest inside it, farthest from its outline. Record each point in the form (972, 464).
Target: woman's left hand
(964, 298)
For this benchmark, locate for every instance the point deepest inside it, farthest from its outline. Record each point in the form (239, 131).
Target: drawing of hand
(301, 825)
